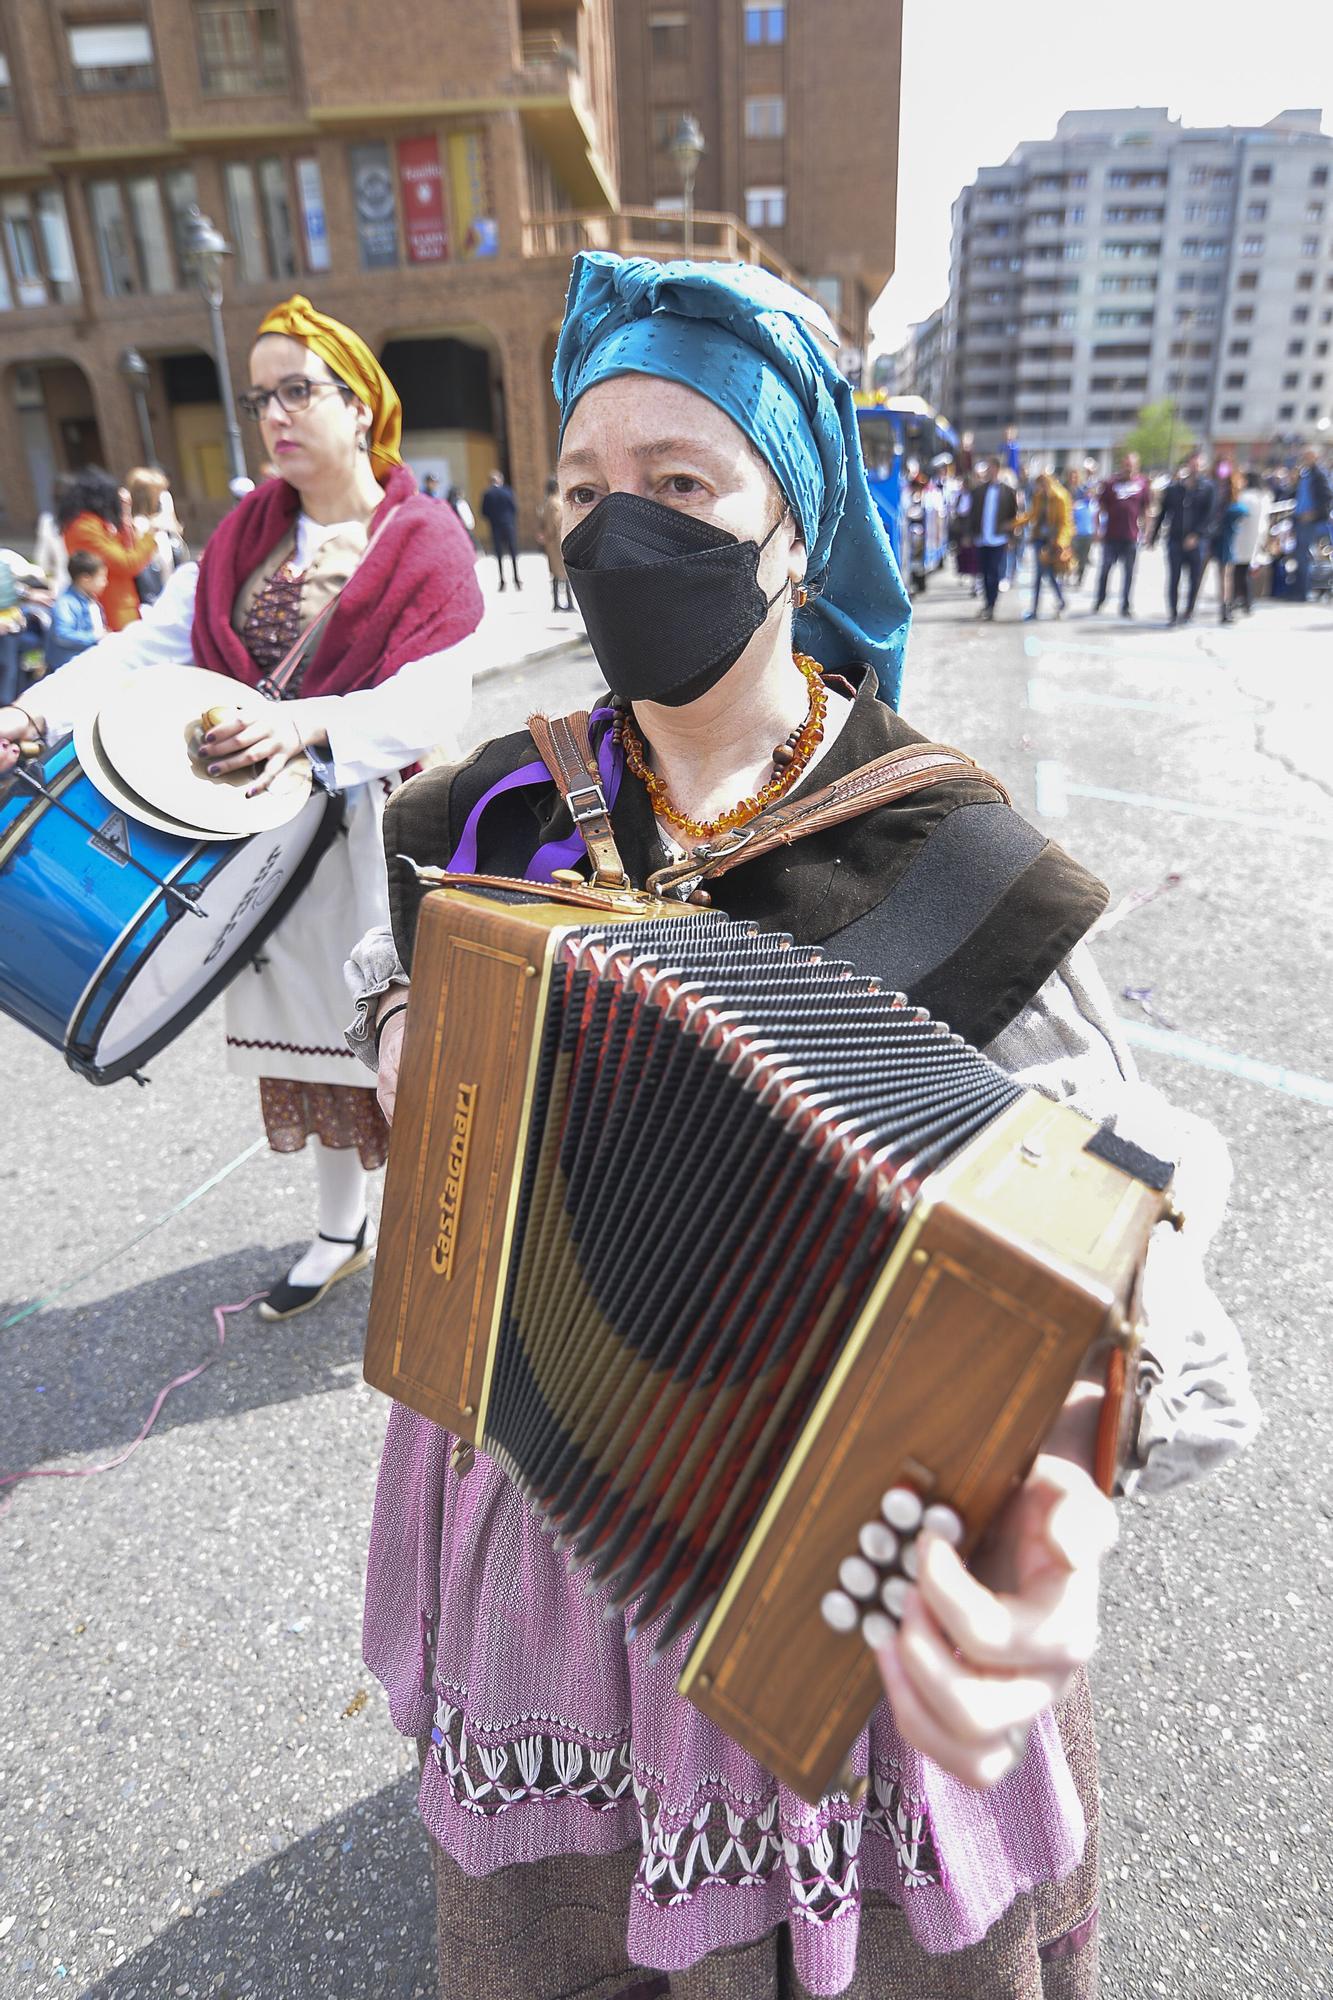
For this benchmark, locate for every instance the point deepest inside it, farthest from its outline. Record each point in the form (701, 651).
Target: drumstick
(30, 747)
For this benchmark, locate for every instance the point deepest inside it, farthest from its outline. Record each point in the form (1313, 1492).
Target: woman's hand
(981, 1653)
(272, 741)
(391, 1050)
(16, 726)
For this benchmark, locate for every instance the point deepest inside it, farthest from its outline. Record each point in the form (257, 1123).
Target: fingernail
(213, 770)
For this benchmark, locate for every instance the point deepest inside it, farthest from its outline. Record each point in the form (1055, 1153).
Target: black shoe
(1125, 611)
(286, 1300)
(503, 584)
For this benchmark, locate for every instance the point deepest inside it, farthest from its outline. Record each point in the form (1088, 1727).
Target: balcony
(653, 232)
(558, 113)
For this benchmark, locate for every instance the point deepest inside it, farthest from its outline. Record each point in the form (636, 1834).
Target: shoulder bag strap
(565, 747)
(889, 778)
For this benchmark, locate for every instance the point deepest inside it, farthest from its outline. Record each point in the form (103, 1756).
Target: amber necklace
(789, 763)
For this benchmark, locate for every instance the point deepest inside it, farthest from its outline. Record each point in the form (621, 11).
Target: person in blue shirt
(76, 616)
(1085, 522)
(1313, 498)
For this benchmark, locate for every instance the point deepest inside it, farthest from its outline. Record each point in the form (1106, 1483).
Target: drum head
(145, 732)
(184, 948)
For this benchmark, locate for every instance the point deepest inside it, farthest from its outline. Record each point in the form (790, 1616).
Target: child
(76, 618)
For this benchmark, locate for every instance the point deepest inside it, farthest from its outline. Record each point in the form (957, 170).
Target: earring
(800, 596)
(363, 441)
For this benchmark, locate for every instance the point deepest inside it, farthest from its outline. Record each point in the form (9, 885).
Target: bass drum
(114, 934)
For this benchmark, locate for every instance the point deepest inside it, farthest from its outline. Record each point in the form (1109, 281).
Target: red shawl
(415, 593)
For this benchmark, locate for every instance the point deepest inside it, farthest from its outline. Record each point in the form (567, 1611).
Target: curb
(572, 644)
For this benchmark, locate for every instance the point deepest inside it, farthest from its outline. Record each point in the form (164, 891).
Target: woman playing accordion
(748, 616)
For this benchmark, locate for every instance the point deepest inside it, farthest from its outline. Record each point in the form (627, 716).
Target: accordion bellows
(719, 1249)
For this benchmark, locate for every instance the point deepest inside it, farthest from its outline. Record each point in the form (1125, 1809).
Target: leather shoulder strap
(565, 747)
(894, 776)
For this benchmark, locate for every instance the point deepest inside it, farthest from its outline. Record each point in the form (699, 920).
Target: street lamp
(687, 149)
(207, 247)
(135, 370)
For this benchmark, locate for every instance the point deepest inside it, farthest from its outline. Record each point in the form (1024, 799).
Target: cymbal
(145, 732)
(97, 766)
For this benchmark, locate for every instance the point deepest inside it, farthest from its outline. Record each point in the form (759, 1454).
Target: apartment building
(920, 365)
(798, 105)
(1130, 259)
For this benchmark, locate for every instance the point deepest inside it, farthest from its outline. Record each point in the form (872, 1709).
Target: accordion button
(878, 1543)
(894, 1596)
(901, 1509)
(838, 1611)
(877, 1630)
(856, 1576)
(943, 1521)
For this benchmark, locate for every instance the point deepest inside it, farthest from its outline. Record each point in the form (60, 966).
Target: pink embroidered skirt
(551, 1733)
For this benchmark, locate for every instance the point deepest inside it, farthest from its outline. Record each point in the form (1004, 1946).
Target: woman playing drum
(378, 689)
(707, 435)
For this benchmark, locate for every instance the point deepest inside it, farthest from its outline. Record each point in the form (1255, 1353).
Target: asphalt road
(200, 1792)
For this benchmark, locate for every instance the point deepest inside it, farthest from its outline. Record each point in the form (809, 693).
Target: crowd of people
(1259, 532)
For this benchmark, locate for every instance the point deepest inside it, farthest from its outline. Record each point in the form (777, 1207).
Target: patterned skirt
(545, 1930)
(339, 1115)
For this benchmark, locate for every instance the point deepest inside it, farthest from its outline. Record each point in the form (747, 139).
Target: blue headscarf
(752, 345)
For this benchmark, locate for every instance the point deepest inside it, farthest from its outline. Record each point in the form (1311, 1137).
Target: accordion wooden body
(740, 1267)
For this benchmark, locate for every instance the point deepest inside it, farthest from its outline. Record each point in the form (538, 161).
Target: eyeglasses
(293, 396)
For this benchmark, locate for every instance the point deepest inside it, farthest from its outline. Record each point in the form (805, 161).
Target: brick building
(798, 103)
(423, 169)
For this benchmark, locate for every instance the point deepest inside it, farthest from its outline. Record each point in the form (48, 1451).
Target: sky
(981, 75)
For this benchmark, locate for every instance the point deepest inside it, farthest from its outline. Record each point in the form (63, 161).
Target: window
(6, 96)
(246, 231)
(1248, 281)
(1256, 211)
(669, 37)
(1186, 281)
(1251, 246)
(182, 191)
(1198, 176)
(241, 48)
(314, 220)
(1318, 177)
(1305, 281)
(1236, 380)
(765, 23)
(115, 56)
(829, 293)
(1071, 252)
(1260, 176)
(57, 249)
(1286, 411)
(766, 118)
(1317, 379)
(279, 230)
(1321, 347)
(1309, 246)
(115, 250)
(1314, 211)
(151, 241)
(24, 259)
(1295, 347)
(1290, 381)
(1243, 315)
(1300, 315)
(1311, 411)
(766, 207)
(1230, 413)
(1238, 347)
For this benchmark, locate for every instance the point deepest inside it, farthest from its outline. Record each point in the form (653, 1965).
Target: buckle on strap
(596, 809)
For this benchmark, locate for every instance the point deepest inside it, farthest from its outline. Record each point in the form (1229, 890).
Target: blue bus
(907, 447)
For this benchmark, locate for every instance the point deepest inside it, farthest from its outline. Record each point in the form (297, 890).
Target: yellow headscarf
(353, 363)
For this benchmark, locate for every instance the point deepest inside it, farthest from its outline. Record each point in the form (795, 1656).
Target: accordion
(744, 1270)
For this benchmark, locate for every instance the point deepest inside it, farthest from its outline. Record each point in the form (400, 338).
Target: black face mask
(670, 603)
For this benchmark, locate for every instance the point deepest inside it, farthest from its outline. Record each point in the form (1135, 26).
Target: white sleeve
(1065, 1043)
(162, 637)
(424, 706)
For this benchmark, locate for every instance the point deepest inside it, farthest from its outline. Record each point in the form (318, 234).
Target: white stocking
(342, 1210)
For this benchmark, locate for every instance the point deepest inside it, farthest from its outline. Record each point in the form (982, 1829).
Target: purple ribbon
(556, 853)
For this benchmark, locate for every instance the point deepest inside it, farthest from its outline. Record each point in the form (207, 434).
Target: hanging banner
(475, 230)
(422, 185)
(376, 214)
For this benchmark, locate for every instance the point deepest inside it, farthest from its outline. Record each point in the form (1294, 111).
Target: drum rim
(335, 809)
